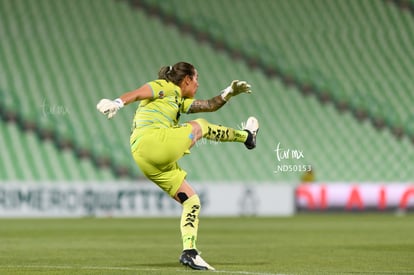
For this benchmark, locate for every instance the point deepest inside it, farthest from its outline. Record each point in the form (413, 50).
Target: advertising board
(140, 199)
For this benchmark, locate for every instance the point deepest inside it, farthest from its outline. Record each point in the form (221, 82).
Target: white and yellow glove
(236, 87)
(109, 107)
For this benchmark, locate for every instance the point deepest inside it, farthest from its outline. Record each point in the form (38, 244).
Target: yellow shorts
(156, 152)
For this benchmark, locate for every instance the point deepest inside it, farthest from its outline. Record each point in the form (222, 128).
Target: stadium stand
(25, 157)
(334, 47)
(61, 57)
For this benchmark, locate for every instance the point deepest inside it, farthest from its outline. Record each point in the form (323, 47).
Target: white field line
(120, 268)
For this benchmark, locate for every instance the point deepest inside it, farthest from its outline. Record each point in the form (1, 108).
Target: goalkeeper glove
(109, 107)
(236, 87)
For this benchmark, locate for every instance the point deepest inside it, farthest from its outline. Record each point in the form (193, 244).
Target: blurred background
(332, 86)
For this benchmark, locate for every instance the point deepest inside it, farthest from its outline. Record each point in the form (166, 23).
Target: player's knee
(203, 125)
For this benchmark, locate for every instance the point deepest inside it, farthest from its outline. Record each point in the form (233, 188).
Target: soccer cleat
(252, 127)
(191, 258)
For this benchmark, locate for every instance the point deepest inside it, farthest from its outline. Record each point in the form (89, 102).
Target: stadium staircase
(60, 57)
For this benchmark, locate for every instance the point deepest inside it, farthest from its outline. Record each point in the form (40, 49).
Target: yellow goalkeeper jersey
(163, 109)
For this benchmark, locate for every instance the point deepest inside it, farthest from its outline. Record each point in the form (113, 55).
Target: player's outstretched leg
(222, 133)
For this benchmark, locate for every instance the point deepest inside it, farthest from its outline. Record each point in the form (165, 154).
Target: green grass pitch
(303, 244)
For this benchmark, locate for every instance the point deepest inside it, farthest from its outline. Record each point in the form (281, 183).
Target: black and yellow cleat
(252, 127)
(192, 259)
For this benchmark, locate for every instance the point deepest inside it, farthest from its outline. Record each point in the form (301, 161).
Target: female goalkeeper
(158, 141)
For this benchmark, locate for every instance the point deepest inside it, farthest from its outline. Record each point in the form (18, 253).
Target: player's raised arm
(109, 107)
(210, 105)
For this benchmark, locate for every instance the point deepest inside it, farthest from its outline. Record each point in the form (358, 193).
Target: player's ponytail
(177, 72)
(163, 73)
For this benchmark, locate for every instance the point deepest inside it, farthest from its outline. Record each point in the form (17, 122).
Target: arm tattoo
(209, 105)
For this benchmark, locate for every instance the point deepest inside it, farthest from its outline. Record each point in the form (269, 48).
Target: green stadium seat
(69, 54)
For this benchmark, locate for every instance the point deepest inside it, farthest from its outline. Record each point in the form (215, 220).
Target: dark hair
(177, 72)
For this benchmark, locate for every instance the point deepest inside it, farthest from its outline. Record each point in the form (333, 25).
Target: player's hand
(236, 87)
(109, 107)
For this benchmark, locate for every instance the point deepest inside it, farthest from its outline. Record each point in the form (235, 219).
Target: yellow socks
(221, 133)
(189, 222)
